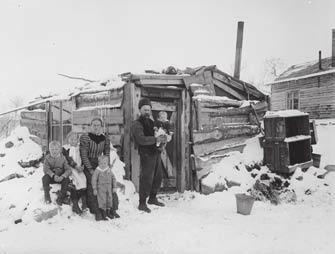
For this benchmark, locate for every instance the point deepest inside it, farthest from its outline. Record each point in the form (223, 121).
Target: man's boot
(103, 214)
(154, 201)
(109, 214)
(114, 213)
(143, 206)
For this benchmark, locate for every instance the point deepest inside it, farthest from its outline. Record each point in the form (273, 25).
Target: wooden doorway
(168, 101)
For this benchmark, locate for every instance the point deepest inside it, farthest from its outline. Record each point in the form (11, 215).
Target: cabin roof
(183, 78)
(306, 70)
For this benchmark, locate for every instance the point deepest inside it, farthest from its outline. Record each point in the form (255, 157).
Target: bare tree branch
(78, 78)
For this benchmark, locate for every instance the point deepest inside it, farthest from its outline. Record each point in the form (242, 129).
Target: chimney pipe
(333, 48)
(238, 54)
(320, 61)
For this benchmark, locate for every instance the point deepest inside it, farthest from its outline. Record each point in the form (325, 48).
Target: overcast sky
(97, 39)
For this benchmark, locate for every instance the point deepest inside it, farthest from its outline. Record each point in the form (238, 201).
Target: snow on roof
(203, 97)
(305, 70)
(284, 113)
(101, 85)
(296, 68)
(302, 77)
(114, 82)
(116, 105)
(246, 103)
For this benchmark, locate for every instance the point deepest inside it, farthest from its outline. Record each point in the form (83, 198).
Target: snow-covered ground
(190, 222)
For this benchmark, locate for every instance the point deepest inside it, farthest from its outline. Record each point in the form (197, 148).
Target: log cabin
(211, 113)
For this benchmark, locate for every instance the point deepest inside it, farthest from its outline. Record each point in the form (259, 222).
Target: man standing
(150, 156)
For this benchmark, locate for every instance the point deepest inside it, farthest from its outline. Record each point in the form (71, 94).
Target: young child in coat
(71, 152)
(104, 185)
(162, 126)
(56, 170)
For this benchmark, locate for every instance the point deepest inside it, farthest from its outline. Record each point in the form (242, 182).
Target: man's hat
(144, 101)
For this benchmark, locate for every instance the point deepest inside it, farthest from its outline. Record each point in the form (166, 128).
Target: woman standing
(92, 145)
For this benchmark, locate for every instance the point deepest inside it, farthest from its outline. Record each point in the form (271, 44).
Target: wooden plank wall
(112, 118)
(211, 117)
(36, 122)
(110, 97)
(220, 130)
(317, 95)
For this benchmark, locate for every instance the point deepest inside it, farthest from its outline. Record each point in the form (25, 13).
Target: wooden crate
(285, 157)
(279, 128)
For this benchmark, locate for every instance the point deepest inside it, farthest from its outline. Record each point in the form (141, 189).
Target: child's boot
(98, 216)
(47, 198)
(75, 207)
(83, 201)
(74, 199)
(60, 199)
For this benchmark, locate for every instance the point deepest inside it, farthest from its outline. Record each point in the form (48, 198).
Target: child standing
(104, 185)
(71, 153)
(56, 170)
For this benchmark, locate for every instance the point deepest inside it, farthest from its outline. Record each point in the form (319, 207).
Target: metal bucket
(316, 160)
(244, 203)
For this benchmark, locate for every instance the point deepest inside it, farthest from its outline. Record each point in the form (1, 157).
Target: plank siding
(109, 116)
(317, 95)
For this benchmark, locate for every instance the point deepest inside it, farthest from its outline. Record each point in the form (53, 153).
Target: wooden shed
(207, 108)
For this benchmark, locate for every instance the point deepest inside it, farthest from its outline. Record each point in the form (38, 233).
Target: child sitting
(56, 170)
(104, 185)
(72, 155)
(162, 127)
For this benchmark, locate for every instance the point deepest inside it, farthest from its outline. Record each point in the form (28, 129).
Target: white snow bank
(23, 149)
(232, 167)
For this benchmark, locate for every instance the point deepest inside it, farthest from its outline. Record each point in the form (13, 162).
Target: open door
(171, 154)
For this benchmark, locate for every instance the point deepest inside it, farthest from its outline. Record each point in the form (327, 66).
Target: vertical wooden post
(61, 122)
(127, 116)
(73, 108)
(135, 157)
(238, 54)
(49, 123)
(320, 60)
(182, 175)
(187, 120)
(132, 95)
(333, 48)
